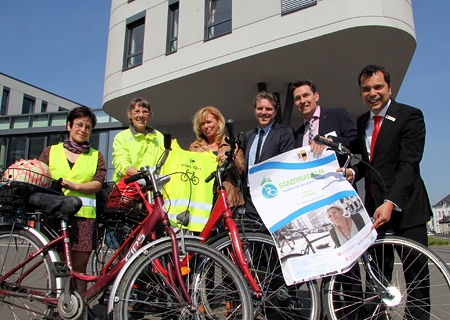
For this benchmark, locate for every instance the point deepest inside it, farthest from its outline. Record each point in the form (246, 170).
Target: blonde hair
(200, 116)
(335, 207)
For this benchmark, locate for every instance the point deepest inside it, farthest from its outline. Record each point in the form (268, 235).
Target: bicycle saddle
(60, 207)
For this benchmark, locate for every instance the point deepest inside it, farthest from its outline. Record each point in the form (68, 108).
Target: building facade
(183, 55)
(441, 216)
(33, 118)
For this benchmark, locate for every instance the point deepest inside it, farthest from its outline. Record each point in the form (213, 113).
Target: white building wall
(257, 26)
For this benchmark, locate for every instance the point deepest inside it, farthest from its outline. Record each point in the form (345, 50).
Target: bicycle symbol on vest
(188, 175)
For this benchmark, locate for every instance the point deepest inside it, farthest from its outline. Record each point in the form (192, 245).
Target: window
(134, 41)
(44, 106)
(37, 144)
(172, 31)
(288, 6)
(28, 104)
(16, 149)
(4, 102)
(218, 18)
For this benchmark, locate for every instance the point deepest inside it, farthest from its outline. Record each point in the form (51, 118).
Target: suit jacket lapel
(267, 141)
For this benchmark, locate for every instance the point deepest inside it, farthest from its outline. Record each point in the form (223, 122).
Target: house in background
(440, 223)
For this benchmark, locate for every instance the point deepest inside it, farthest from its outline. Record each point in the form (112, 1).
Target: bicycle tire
(352, 296)
(300, 301)
(15, 247)
(214, 284)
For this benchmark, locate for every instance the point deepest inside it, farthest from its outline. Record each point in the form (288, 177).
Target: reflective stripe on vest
(82, 171)
(88, 202)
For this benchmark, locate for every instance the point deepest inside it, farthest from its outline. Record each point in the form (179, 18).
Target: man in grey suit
(392, 138)
(334, 123)
(268, 140)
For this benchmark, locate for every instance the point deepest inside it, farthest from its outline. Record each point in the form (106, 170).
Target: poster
(316, 218)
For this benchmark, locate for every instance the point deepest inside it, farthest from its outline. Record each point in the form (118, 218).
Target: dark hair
(80, 112)
(304, 82)
(266, 95)
(140, 102)
(370, 70)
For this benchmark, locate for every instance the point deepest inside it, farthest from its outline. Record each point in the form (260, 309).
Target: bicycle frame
(220, 210)
(145, 231)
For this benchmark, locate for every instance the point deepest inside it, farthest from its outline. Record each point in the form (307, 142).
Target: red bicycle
(35, 283)
(250, 249)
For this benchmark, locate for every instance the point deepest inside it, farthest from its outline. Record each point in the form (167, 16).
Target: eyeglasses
(80, 125)
(144, 112)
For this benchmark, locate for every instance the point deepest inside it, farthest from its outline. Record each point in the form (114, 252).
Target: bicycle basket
(123, 196)
(21, 180)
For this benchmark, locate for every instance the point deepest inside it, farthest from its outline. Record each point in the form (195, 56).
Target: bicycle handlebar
(336, 146)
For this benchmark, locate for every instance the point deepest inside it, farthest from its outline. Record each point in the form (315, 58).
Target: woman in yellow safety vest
(209, 126)
(83, 172)
(139, 145)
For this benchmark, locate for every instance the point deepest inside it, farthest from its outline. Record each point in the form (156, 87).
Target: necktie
(311, 130)
(376, 130)
(258, 147)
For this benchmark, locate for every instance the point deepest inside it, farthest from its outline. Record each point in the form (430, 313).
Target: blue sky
(60, 46)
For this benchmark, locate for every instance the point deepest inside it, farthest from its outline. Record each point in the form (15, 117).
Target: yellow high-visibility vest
(82, 171)
(187, 189)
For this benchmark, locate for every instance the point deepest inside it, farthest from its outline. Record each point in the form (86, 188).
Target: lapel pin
(390, 118)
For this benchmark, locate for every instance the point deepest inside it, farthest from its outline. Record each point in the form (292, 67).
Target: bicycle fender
(124, 269)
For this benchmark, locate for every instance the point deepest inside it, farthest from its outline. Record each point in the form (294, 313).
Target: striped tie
(311, 130)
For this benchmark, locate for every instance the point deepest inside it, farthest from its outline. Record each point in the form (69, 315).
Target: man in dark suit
(268, 140)
(335, 123)
(395, 193)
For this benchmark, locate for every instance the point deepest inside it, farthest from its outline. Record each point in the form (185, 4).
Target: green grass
(433, 241)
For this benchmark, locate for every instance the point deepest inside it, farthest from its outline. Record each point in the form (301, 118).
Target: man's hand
(349, 174)
(383, 214)
(318, 148)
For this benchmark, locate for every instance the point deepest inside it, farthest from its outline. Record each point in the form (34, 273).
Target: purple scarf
(76, 147)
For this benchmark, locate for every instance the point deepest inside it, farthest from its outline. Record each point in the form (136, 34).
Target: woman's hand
(66, 184)
(221, 157)
(87, 187)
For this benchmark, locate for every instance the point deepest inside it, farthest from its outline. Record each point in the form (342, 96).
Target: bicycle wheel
(300, 301)
(34, 278)
(417, 284)
(215, 286)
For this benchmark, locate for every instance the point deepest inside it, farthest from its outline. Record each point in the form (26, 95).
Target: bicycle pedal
(59, 269)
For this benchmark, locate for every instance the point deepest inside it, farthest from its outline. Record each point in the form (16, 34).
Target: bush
(433, 241)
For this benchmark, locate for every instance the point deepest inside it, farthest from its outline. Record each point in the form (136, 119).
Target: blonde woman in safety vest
(83, 172)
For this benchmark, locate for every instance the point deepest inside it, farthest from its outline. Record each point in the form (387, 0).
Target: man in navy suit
(335, 124)
(395, 193)
(275, 139)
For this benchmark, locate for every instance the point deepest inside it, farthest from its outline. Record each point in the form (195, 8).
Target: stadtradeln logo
(269, 190)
